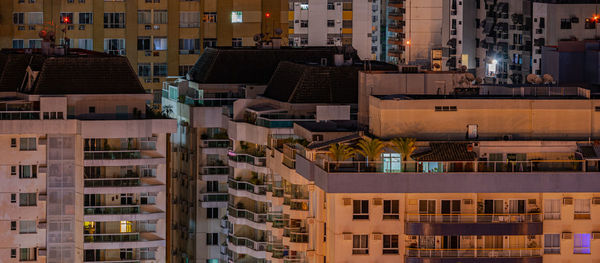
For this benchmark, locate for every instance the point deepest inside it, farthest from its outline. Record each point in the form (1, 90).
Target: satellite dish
(531, 78)
(257, 37)
(547, 78)
(470, 77)
(278, 31)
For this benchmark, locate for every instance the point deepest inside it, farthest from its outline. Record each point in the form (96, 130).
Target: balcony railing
(298, 237)
(111, 210)
(116, 237)
(215, 143)
(216, 170)
(214, 197)
(112, 155)
(473, 252)
(243, 213)
(247, 158)
(298, 205)
(19, 115)
(456, 167)
(474, 218)
(112, 182)
(249, 243)
(247, 186)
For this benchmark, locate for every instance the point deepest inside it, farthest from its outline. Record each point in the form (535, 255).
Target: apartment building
(160, 38)
(233, 105)
(337, 22)
(83, 163)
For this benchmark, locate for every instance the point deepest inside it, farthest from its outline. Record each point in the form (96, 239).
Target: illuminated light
(66, 19)
(494, 62)
(408, 42)
(267, 15)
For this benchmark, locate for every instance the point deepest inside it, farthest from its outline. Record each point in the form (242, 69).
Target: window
(582, 208)
(551, 243)
(360, 209)
(209, 42)
(212, 212)
(189, 19)
(565, 23)
(35, 43)
(390, 244)
(160, 17)
(144, 17)
(212, 239)
(330, 6)
(236, 42)
(86, 18)
(27, 199)
(581, 244)
(552, 209)
(27, 227)
(27, 144)
(304, 23)
(18, 43)
(330, 23)
(304, 6)
(13, 142)
(144, 69)
(28, 254)
(86, 44)
(27, 171)
(13, 198)
(391, 209)
(590, 24)
(360, 244)
(210, 17)
(143, 43)
(189, 45)
(212, 186)
(13, 170)
(160, 69)
(35, 18)
(13, 253)
(13, 225)
(184, 69)
(18, 18)
(92, 110)
(115, 46)
(160, 43)
(114, 20)
(66, 18)
(236, 17)
(445, 108)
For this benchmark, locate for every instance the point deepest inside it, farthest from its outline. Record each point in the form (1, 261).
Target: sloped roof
(440, 152)
(253, 65)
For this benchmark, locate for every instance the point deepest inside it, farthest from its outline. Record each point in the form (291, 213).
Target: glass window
(18, 43)
(27, 144)
(392, 162)
(27, 199)
(551, 243)
(144, 69)
(66, 18)
(304, 6)
(144, 17)
(160, 69)
(582, 209)
(189, 19)
(27, 171)
(18, 18)
(391, 209)
(581, 244)
(212, 212)
(114, 46)
(390, 244)
(160, 43)
(86, 18)
(210, 17)
(114, 20)
(143, 43)
(27, 254)
(27, 227)
(160, 17)
(552, 209)
(35, 18)
(35, 43)
(360, 209)
(236, 17)
(212, 239)
(86, 44)
(360, 244)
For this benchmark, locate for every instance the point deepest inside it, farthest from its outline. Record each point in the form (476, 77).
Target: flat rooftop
(527, 92)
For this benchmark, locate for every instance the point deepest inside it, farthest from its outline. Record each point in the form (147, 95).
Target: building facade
(84, 164)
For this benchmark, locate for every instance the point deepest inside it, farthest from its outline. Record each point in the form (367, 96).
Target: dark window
(13, 142)
(360, 209)
(13, 225)
(330, 23)
(565, 23)
(92, 109)
(391, 209)
(143, 43)
(212, 212)
(212, 239)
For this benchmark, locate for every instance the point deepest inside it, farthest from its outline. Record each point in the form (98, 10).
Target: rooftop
(330, 126)
(523, 91)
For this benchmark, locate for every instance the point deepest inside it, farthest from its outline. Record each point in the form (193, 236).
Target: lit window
(126, 226)
(236, 17)
(304, 6)
(581, 244)
(160, 43)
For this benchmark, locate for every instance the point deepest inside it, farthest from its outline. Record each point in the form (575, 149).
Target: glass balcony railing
(217, 170)
(112, 182)
(249, 243)
(214, 197)
(474, 218)
(473, 252)
(299, 205)
(298, 237)
(111, 210)
(243, 213)
(248, 187)
(112, 155)
(19, 115)
(247, 158)
(116, 237)
(215, 143)
(456, 167)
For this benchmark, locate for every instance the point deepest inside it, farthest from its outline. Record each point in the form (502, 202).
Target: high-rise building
(83, 162)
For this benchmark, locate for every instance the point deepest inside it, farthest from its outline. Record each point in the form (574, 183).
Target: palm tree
(369, 148)
(404, 146)
(340, 152)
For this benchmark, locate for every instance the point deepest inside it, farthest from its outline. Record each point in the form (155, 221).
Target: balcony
(19, 115)
(240, 216)
(396, 15)
(211, 200)
(243, 245)
(112, 237)
(276, 119)
(472, 255)
(120, 158)
(112, 182)
(122, 240)
(396, 3)
(474, 224)
(247, 189)
(214, 143)
(248, 161)
(122, 213)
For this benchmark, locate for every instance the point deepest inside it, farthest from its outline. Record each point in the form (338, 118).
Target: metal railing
(19, 115)
(214, 197)
(112, 155)
(116, 237)
(296, 237)
(111, 210)
(247, 214)
(474, 218)
(298, 205)
(456, 167)
(215, 170)
(247, 158)
(249, 243)
(474, 252)
(112, 182)
(247, 186)
(215, 143)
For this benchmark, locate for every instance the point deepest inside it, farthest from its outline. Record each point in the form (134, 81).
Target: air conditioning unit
(532, 201)
(568, 201)
(596, 200)
(376, 236)
(81, 27)
(347, 236)
(567, 235)
(377, 201)
(347, 201)
(467, 201)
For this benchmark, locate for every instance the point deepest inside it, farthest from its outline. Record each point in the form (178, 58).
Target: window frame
(393, 209)
(362, 211)
(390, 246)
(360, 244)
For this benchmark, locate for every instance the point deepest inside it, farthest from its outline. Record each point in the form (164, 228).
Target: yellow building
(160, 38)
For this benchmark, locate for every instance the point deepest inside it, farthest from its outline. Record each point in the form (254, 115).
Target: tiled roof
(253, 65)
(439, 152)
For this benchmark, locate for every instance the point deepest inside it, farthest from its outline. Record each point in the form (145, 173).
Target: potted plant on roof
(370, 149)
(339, 152)
(405, 147)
